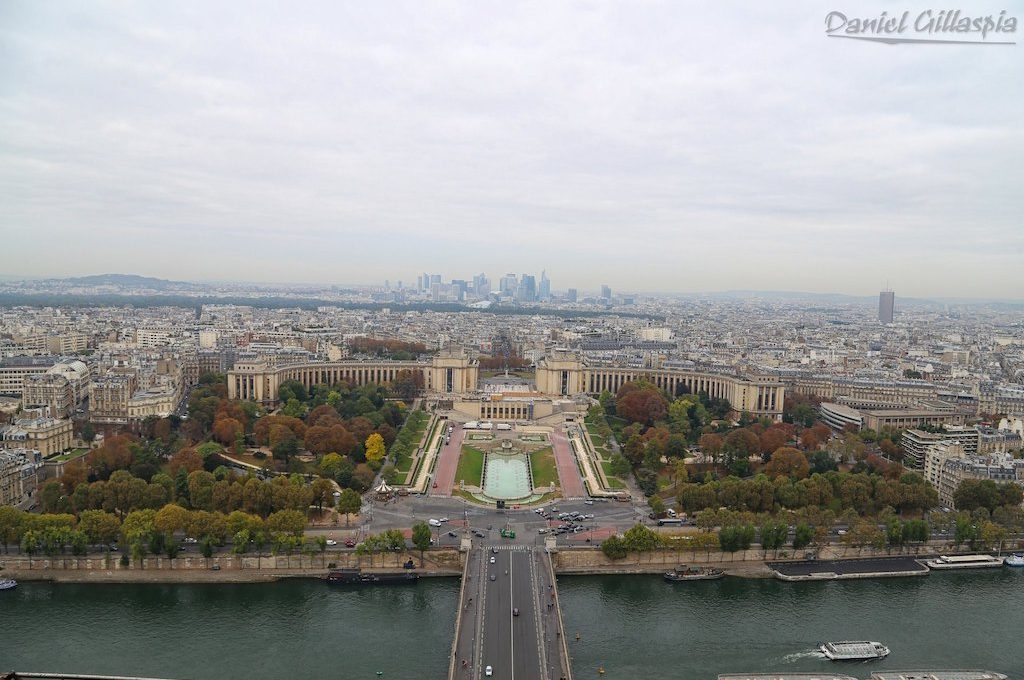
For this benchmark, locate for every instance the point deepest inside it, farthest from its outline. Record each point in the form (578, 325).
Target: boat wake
(808, 654)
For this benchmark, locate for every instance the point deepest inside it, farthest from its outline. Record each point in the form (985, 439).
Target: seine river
(633, 627)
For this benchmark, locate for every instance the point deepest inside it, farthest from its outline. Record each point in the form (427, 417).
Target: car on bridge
(488, 671)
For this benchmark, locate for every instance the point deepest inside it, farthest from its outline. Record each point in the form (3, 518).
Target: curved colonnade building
(756, 394)
(259, 380)
(458, 374)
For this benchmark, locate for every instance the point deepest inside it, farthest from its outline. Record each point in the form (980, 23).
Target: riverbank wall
(226, 568)
(434, 562)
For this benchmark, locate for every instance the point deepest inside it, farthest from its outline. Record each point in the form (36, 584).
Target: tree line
(150, 531)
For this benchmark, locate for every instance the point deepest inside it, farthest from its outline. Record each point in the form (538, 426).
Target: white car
(191, 540)
(488, 671)
(492, 559)
(443, 519)
(331, 541)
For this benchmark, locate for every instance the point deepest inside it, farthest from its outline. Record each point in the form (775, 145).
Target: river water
(633, 627)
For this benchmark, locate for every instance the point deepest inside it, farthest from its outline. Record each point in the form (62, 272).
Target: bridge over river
(513, 623)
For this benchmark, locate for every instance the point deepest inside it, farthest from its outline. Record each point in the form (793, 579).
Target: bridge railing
(458, 618)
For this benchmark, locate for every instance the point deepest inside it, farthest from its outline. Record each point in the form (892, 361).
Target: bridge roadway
(524, 646)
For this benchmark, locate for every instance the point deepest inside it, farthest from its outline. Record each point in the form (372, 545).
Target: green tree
(12, 522)
(614, 547)
(285, 448)
(99, 527)
(290, 522)
(323, 493)
(421, 537)
(349, 503)
(171, 518)
(641, 539)
(657, 506)
(802, 536)
(773, 535)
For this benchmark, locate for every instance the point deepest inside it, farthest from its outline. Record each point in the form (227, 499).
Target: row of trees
(222, 491)
(149, 531)
(865, 494)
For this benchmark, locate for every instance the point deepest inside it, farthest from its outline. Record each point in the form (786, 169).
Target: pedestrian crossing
(521, 548)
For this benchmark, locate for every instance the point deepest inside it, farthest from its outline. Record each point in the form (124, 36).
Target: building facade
(18, 479)
(452, 372)
(49, 436)
(568, 375)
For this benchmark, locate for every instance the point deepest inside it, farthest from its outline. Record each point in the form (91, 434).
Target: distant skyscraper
(544, 292)
(459, 289)
(571, 295)
(606, 292)
(886, 305)
(508, 284)
(481, 285)
(527, 291)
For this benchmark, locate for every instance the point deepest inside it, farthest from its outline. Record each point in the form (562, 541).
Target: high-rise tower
(886, 305)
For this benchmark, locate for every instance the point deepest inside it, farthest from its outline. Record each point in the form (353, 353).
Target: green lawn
(471, 466)
(71, 455)
(408, 440)
(613, 481)
(543, 468)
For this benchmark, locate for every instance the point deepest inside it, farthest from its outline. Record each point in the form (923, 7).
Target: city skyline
(597, 137)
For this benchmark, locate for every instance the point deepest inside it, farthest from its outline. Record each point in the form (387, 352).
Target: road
(568, 472)
(448, 463)
(516, 647)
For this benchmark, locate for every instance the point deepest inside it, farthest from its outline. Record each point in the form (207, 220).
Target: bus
(669, 521)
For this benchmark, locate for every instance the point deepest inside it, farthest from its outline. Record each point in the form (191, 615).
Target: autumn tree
(323, 492)
(375, 450)
(772, 439)
(114, 454)
(186, 459)
(711, 444)
(171, 518)
(323, 415)
(261, 430)
(100, 528)
(333, 439)
(643, 404)
(226, 430)
(788, 462)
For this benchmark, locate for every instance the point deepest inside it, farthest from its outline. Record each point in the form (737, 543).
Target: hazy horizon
(660, 147)
(865, 297)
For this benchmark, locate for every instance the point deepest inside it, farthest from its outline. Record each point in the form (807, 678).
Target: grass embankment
(543, 468)
(71, 455)
(408, 439)
(471, 466)
(613, 481)
(602, 435)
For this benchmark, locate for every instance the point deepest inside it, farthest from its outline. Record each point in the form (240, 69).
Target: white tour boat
(854, 650)
(965, 562)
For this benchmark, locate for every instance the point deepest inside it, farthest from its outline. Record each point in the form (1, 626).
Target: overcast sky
(651, 146)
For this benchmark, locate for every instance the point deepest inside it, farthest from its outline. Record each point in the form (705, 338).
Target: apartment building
(947, 465)
(38, 431)
(109, 396)
(18, 476)
(14, 370)
(916, 443)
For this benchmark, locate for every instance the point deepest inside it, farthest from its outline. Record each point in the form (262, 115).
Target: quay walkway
(512, 623)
